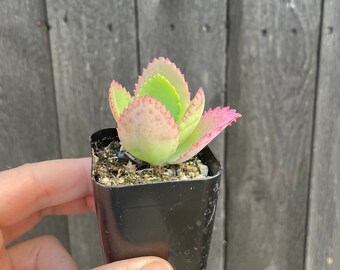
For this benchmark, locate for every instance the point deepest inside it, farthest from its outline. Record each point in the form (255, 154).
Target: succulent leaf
(192, 116)
(119, 99)
(148, 131)
(211, 124)
(167, 69)
(160, 89)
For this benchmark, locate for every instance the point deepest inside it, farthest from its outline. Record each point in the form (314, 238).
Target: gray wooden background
(276, 61)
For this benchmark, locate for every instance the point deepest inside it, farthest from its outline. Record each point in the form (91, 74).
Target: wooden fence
(276, 61)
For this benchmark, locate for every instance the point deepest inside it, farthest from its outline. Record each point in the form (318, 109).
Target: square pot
(173, 220)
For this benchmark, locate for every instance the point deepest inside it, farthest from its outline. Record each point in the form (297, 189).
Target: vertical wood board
(92, 44)
(28, 116)
(191, 34)
(271, 81)
(323, 242)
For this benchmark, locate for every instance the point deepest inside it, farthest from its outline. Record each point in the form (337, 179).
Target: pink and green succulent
(159, 124)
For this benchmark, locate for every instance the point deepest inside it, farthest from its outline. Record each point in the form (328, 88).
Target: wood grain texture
(28, 117)
(271, 79)
(92, 43)
(193, 35)
(323, 242)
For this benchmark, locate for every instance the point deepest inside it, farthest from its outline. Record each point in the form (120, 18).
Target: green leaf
(160, 89)
(119, 99)
(168, 70)
(192, 116)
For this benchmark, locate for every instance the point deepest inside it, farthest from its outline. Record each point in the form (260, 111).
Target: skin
(32, 191)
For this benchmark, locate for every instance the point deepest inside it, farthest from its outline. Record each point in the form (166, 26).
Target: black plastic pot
(173, 220)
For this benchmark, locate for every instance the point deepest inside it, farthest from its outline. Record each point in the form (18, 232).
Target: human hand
(32, 191)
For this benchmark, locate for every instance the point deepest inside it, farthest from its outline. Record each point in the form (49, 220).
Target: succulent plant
(160, 125)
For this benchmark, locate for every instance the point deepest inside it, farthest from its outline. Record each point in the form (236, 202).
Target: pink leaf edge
(114, 85)
(149, 69)
(213, 122)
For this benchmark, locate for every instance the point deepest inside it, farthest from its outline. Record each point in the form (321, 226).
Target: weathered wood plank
(323, 242)
(92, 43)
(193, 35)
(271, 80)
(28, 118)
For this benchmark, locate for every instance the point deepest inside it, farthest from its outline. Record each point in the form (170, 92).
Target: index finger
(33, 187)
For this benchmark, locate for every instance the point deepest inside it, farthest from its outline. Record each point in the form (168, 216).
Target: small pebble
(203, 169)
(105, 180)
(180, 175)
(122, 156)
(95, 158)
(191, 174)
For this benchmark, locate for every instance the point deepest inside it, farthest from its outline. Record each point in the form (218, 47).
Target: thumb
(141, 263)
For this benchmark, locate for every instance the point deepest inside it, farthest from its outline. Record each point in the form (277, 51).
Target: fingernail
(156, 266)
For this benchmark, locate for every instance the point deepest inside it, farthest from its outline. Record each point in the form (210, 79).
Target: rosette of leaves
(159, 124)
